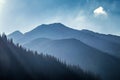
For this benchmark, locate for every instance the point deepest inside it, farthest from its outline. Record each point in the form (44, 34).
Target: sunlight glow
(2, 2)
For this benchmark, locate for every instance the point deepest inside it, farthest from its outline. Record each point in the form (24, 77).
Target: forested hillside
(17, 63)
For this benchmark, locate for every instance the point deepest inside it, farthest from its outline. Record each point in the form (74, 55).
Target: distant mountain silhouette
(17, 63)
(75, 52)
(105, 43)
(93, 51)
(16, 35)
(109, 37)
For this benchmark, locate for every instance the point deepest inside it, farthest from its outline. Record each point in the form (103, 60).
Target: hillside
(75, 52)
(17, 63)
(98, 53)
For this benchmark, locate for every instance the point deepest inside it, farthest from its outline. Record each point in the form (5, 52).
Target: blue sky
(97, 15)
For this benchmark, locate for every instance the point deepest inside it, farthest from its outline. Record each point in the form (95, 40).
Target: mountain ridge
(96, 52)
(106, 43)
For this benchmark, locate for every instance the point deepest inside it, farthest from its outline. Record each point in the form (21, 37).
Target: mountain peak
(15, 35)
(56, 24)
(17, 32)
(52, 25)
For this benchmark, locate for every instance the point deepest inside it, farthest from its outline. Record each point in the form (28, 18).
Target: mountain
(106, 43)
(16, 35)
(78, 53)
(109, 37)
(98, 53)
(52, 31)
(16, 63)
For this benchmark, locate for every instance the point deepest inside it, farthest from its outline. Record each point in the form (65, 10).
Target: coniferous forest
(18, 63)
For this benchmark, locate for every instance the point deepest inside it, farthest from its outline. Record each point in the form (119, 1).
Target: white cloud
(100, 12)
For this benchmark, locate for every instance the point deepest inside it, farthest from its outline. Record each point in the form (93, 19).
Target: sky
(101, 16)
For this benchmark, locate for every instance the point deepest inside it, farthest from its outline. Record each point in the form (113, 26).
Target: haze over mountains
(105, 43)
(17, 35)
(17, 63)
(98, 53)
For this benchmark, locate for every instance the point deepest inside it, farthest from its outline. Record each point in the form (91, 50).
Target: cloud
(100, 12)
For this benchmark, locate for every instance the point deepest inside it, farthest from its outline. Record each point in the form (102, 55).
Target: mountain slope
(109, 37)
(104, 43)
(76, 52)
(52, 31)
(15, 35)
(16, 63)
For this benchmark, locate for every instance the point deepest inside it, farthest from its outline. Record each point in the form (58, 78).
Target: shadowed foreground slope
(17, 63)
(75, 52)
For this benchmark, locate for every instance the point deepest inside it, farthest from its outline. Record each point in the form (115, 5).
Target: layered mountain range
(17, 63)
(95, 52)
